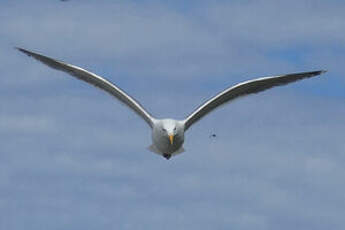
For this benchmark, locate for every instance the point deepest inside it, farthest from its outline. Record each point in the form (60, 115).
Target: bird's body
(168, 134)
(167, 137)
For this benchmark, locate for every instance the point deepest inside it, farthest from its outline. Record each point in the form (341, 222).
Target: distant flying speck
(168, 134)
(213, 135)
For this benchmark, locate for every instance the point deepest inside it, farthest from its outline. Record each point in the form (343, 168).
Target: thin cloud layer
(72, 156)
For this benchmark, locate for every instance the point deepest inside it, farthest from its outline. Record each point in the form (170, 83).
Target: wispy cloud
(72, 156)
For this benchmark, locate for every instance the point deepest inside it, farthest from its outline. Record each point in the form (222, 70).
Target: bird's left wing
(95, 80)
(243, 89)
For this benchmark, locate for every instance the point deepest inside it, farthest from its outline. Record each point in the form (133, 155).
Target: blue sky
(73, 157)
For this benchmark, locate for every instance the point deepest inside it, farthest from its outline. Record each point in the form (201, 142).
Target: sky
(72, 157)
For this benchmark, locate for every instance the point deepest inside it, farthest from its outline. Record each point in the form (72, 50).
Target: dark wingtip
(319, 72)
(23, 50)
(18, 48)
(315, 73)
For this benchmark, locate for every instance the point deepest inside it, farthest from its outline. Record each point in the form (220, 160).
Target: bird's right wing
(95, 80)
(243, 89)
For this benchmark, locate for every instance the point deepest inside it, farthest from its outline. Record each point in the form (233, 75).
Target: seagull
(168, 134)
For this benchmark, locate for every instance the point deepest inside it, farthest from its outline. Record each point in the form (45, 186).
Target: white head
(168, 135)
(169, 128)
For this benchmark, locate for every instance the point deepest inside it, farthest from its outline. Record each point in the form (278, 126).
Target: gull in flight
(168, 134)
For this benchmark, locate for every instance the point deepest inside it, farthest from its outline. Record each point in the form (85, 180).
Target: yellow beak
(171, 138)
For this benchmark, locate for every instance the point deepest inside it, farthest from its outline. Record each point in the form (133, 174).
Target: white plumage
(168, 134)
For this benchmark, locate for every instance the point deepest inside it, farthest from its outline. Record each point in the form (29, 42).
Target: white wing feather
(95, 80)
(243, 89)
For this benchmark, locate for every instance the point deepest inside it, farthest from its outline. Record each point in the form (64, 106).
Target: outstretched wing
(95, 80)
(243, 89)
